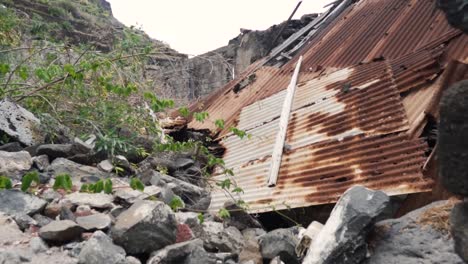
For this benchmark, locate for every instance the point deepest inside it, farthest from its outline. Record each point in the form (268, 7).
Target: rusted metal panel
(367, 81)
(321, 172)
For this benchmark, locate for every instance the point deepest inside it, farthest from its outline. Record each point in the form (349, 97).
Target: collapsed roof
(372, 75)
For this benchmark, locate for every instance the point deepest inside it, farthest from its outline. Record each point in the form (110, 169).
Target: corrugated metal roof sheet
(321, 172)
(349, 123)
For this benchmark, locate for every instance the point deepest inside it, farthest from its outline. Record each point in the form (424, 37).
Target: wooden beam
(283, 127)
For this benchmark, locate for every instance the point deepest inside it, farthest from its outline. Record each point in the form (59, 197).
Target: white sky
(197, 26)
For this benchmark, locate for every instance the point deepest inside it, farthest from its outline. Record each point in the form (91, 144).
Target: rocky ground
(127, 225)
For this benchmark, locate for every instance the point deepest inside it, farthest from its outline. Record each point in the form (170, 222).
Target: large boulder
(19, 124)
(100, 249)
(459, 229)
(421, 236)
(13, 202)
(60, 231)
(9, 232)
(14, 164)
(282, 243)
(145, 227)
(343, 238)
(453, 132)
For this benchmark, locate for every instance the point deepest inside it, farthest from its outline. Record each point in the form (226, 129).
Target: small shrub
(136, 184)
(63, 182)
(5, 183)
(28, 179)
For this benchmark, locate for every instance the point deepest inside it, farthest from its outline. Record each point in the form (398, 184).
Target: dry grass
(438, 217)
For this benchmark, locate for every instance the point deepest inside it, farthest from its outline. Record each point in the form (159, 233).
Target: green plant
(224, 213)
(64, 182)
(28, 179)
(201, 218)
(5, 183)
(97, 187)
(136, 184)
(176, 203)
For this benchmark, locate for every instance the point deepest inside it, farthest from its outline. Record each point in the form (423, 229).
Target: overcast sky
(197, 26)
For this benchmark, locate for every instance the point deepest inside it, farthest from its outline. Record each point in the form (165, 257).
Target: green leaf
(70, 69)
(108, 186)
(219, 123)
(23, 73)
(226, 184)
(201, 116)
(84, 188)
(184, 112)
(136, 184)
(4, 69)
(5, 183)
(63, 181)
(224, 213)
(201, 218)
(238, 190)
(176, 203)
(99, 186)
(27, 180)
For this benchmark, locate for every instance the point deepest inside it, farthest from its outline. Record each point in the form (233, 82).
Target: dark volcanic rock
(240, 219)
(452, 141)
(282, 243)
(177, 253)
(343, 237)
(417, 237)
(459, 229)
(145, 227)
(11, 147)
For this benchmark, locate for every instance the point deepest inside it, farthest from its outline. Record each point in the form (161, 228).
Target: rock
(66, 214)
(82, 147)
(421, 236)
(177, 253)
(61, 166)
(13, 202)
(94, 200)
(52, 210)
(24, 221)
(216, 238)
(452, 134)
(44, 178)
(123, 163)
(19, 123)
(280, 242)
(239, 219)
(184, 233)
(459, 229)
(90, 179)
(344, 234)
(42, 220)
(253, 233)
(100, 249)
(54, 151)
(9, 231)
(49, 195)
(60, 231)
(129, 196)
(307, 236)
(11, 147)
(38, 245)
(145, 227)
(191, 194)
(132, 260)
(14, 164)
(8, 257)
(183, 163)
(94, 222)
(251, 252)
(106, 165)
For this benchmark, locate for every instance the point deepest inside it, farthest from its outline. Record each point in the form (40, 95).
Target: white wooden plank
(283, 127)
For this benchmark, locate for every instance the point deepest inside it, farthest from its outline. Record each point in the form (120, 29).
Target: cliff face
(195, 77)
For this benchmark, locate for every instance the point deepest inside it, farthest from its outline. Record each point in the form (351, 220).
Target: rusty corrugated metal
(321, 172)
(365, 86)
